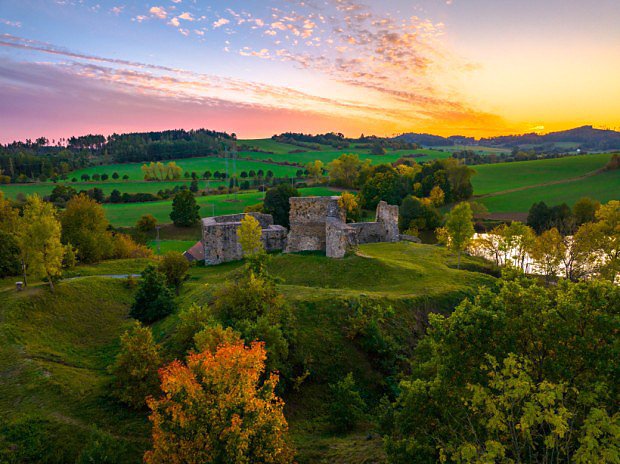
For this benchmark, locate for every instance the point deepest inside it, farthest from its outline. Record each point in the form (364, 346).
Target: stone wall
(308, 218)
(387, 216)
(340, 238)
(220, 242)
(317, 224)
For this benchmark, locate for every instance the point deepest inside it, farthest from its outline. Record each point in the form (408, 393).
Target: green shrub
(154, 300)
(346, 406)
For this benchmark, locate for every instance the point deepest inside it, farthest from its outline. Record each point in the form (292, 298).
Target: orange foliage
(216, 410)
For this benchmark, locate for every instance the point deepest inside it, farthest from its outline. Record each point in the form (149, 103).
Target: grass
(603, 187)
(54, 348)
(198, 165)
(126, 214)
(327, 156)
(171, 245)
(491, 178)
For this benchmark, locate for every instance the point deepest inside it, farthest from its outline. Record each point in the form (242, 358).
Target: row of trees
(594, 249)
(161, 171)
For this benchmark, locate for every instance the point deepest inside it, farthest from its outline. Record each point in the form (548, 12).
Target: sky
(469, 67)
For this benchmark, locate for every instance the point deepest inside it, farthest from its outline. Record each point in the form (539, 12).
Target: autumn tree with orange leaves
(216, 409)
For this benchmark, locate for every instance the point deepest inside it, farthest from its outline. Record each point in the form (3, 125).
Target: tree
(104, 177)
(315, 170)
(608, 238)
(84, 225)
(115, 175)
(437, 196)
(9, 255)
(9, 216)
(348, 202)
(39, 240)
(125, 177)
(344, 170)
(216, 409)
(146, 223)
(585, 210)
(115, 196)
(135, 367)
(459, 229)
(547, 349)
(277, 203)
(539, 217)
(193, 186)
(249, 234)
(548, 251)
(185, 211)
(383, 183)
(153, 300)
(174, 266)
(377, 150)
(418, 214)
(346, 405)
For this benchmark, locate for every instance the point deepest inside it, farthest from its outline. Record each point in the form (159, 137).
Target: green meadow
(330, 155)
(491, 178)
(126, 214)
(602, 187)
(197, 165)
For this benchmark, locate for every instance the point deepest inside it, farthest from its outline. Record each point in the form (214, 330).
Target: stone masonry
(220, 242)
(317, 224)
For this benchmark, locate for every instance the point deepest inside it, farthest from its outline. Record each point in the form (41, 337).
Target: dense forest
(40, 160)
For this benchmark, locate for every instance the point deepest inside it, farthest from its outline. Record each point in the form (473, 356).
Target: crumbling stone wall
(308, 218)
(340, 238)
(317, 224)
(220, 241)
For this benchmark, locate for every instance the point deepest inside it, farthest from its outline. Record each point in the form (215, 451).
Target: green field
(602, 187)
(499, 177)
(171, 245)
(197, 165)
(330, 155)
(126, 214)
(54, 348)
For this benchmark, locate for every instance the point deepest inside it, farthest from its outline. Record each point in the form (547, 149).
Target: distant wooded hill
(585, 137)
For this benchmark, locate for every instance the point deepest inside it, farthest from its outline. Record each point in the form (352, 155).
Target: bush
(9, 255)
(154, 300)
(135, 367)
(125, 248)
(277, 203)
(146, 223)
(102, 448)
(174, 266)
(347, 406)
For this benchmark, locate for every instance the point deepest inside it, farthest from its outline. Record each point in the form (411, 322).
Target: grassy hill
(491, 178)
(602, 187)
(54, 348)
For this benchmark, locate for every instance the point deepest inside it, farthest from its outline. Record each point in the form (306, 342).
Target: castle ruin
(316, 224)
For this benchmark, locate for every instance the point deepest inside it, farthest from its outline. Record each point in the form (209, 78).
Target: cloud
(220, 22)
(186, 16)
(174, 22)
(158, 12)
(6, 22)
(117, 9)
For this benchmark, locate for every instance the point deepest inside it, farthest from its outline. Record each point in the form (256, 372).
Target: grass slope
(329, 155)
(54, 348)
(603, 187)
(491, 178)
